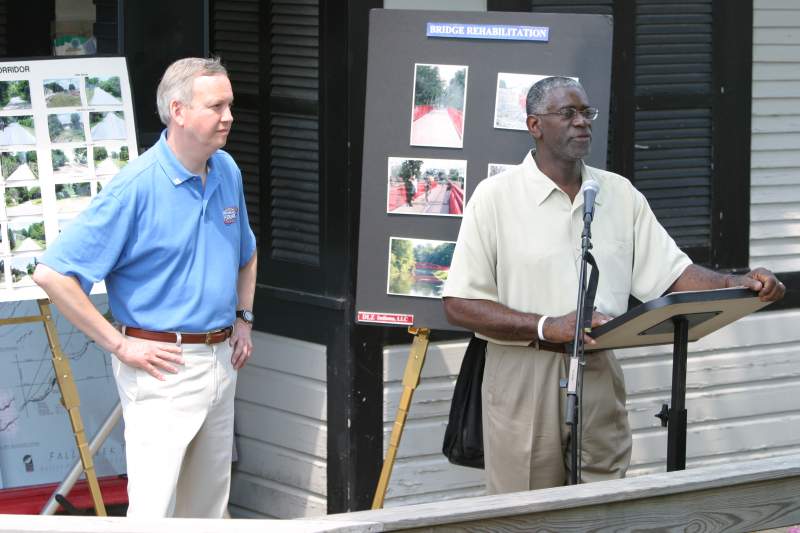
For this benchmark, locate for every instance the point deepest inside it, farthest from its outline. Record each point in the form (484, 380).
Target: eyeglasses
(568, 113)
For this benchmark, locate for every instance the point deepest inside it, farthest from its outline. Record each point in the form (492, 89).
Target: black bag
(463, 438)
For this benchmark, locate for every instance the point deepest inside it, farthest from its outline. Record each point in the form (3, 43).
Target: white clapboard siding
(281, 431)
(775, 144)
(743, 402)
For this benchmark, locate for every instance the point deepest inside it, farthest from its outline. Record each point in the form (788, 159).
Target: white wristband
(540, 327)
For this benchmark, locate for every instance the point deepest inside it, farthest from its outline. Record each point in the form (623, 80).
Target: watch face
(245, 315)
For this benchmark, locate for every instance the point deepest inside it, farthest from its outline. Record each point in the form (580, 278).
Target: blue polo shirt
(169, 251)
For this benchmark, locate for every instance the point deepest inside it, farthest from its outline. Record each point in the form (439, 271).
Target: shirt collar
(174, 170)
(544, 186)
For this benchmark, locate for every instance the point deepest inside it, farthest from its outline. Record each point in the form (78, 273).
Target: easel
(69, 395)
(416, 359)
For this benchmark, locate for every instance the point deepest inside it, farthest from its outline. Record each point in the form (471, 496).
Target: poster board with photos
(442, 113)
(66, 128)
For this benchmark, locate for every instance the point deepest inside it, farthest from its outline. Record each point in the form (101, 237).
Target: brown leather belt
(549, 346)
(209, 337)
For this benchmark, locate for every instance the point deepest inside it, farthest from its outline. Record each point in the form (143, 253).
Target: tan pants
(179, 434)
(526, 441)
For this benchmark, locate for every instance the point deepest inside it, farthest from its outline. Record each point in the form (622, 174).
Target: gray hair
(539, 91)
(177, 81)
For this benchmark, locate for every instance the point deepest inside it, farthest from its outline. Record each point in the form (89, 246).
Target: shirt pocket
(615, 262)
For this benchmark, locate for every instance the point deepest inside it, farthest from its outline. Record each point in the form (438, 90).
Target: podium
(676, 319)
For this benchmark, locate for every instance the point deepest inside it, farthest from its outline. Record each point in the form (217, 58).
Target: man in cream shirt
(514, 281)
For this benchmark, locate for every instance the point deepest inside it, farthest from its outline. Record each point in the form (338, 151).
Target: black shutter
(293, 198)
(235, 39)
(3, 28)
(663, 61)
(673, 87)
(597, 7)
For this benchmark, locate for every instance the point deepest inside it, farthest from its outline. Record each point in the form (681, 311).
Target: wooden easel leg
(71, 402)
(416, 358)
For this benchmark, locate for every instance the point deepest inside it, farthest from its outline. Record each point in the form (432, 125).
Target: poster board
(445, 108)
(69, 161)
(66, 128)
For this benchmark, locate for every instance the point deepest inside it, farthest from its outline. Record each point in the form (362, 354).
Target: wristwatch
(245, 315)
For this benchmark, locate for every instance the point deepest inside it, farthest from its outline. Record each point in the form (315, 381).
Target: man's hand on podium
(561, 329)
(762, 281)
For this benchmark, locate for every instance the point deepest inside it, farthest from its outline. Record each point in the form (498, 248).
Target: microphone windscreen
(590, 185)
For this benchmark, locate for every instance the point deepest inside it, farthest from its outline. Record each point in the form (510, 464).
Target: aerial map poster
(66, 128)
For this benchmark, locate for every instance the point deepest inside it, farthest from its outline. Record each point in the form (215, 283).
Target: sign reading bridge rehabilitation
(66, 128)
(454, 30)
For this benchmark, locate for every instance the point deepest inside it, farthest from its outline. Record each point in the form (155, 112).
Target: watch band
(246, 315)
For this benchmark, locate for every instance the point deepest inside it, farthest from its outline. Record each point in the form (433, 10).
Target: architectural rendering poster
(426, 186)
(66, 128)
(440, 97)
(418, 267)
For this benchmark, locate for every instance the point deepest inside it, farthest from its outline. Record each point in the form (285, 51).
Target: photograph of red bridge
(437, 116)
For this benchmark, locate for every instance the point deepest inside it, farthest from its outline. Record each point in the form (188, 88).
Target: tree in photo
(59, 159)
(54, 125)
(65, 190)
(454, 94)
(100, 154)
(26, 121)
(123, 153)
(19, 89)
(9, 163)
(32, 266)
(54, 87)
(401, 266)
(80, 156)
(428, 87)
(33, 161)
(36, 231)
(75, 121)
(111, 86)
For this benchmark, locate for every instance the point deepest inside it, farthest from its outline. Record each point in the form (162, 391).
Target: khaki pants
(526, 442)
(179, 434)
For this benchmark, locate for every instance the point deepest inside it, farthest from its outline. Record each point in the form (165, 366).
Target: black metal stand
(676, 430)
(675, 418)
(576, 363)
(676, 319)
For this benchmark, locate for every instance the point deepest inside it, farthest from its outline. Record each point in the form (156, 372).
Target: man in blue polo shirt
(170, 237)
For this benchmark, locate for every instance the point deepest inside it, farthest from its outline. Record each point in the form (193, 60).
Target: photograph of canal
(418, 267)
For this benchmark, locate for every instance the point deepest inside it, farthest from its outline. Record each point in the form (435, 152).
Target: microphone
(590, 188)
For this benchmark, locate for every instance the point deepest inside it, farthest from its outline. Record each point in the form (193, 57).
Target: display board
(445, 108)
(66, 128)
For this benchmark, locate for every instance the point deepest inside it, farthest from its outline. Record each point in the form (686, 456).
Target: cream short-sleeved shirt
(520, 242)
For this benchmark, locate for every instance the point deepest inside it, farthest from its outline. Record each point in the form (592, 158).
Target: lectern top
(651, 323)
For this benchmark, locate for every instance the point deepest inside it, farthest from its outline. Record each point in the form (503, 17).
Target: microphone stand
(577, 361)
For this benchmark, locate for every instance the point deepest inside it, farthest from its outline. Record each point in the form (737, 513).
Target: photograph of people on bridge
(418, 267)
(426, 186)
(437, 114)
